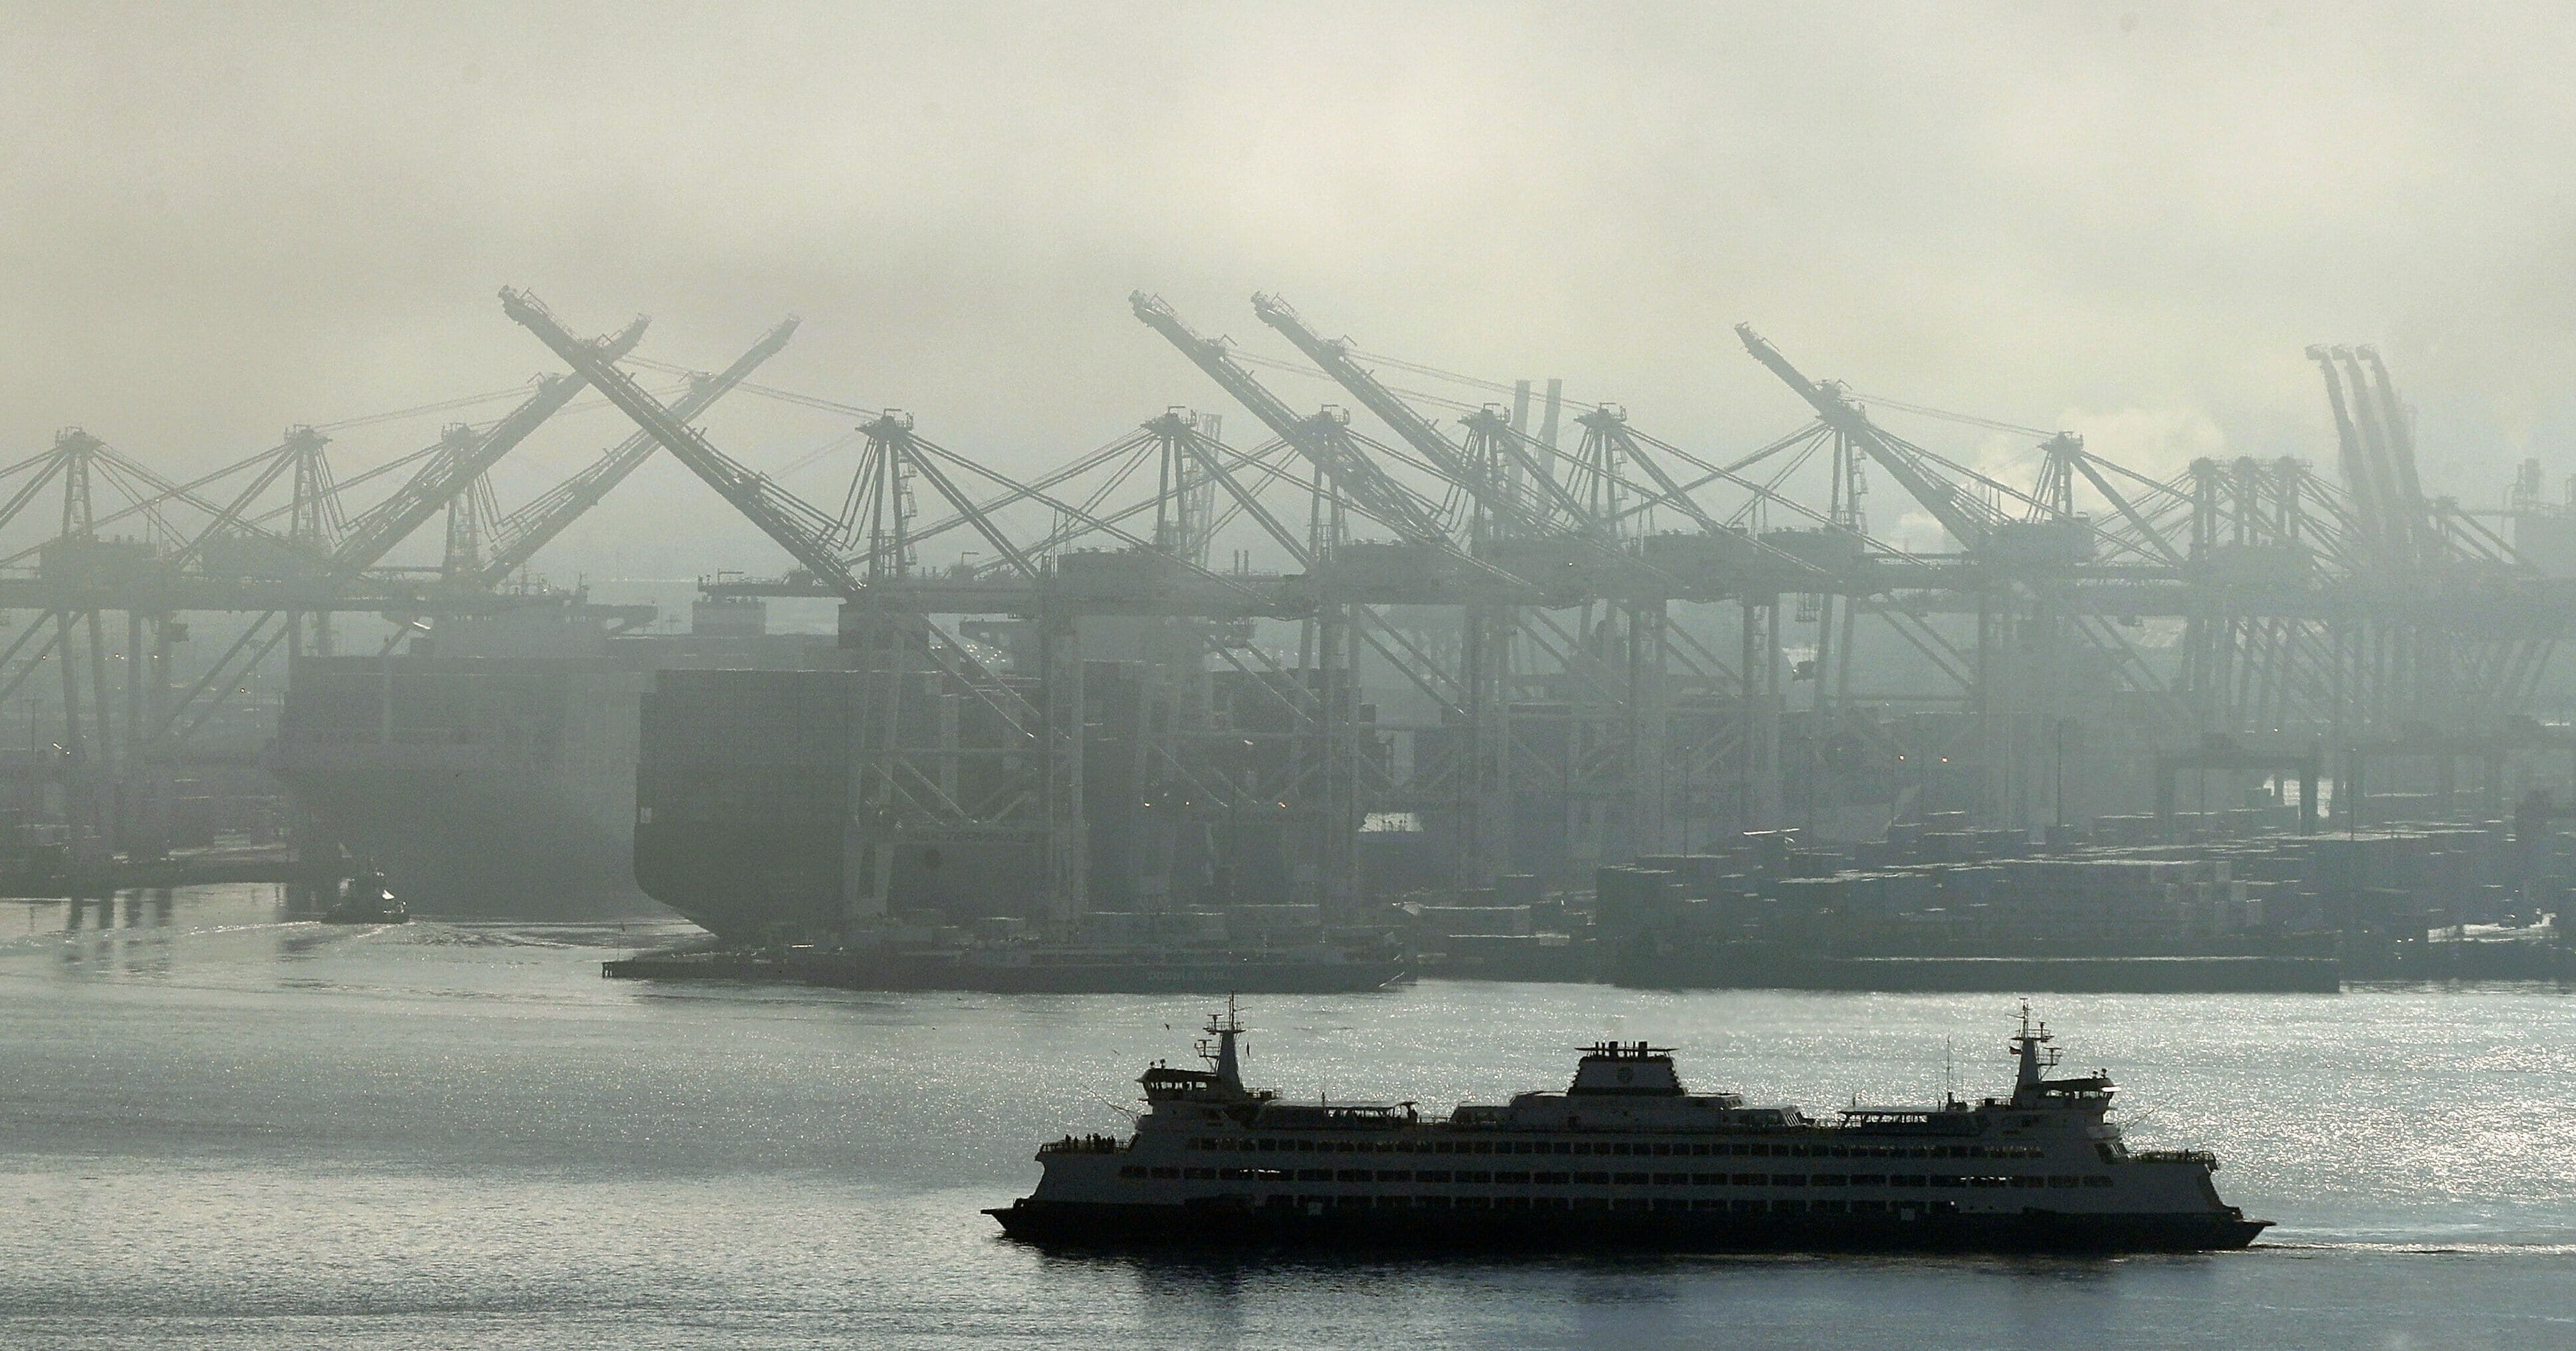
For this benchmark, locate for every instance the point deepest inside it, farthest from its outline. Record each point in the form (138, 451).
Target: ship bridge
(1627, 1069)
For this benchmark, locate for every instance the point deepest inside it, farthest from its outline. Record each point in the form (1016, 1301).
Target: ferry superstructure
(1626, 1155)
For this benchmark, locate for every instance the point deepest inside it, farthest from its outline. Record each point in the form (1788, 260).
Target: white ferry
(1627, 1155)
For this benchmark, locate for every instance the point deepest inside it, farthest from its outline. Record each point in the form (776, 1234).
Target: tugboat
(1627, 1156)
(365, 899)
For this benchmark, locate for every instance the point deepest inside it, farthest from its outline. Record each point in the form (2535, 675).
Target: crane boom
(2401, 458)
(1957, 513)
(1418, 432)
(799, 529)
(385, 525)
(532, 527)
(1357, 476)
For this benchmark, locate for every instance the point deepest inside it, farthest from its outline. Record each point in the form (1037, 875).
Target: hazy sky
(2127, 218)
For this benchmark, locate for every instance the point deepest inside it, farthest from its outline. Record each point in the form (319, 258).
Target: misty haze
(1133, 675)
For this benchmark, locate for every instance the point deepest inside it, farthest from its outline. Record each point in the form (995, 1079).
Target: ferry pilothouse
(1627, 1155)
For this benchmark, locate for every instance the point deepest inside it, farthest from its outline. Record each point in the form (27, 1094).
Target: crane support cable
(769, 507)
(1967, 519)
(519, 536)
(940, 482)
(385, 525)
(1965, 419)
(1449, 460)
(517, 391)
(1362, 482)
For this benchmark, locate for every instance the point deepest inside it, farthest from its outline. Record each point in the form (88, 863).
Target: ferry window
(1976, 1151)
(1351, 1175)
(1751, 1179)
(1432, 1175)
(1484, 1146)
(1198, 1173)
(1441, 1147)
(1631, 1179)
(1762, 1150)
(1404, 1146)
(1431, 1202)
(1343, 1147)
(1552, 1179)
(1394, 1175)
(1788, 1179)
(1314, 1174)
(1788, 1205)
(1475, 1177)
(1582, 1147)
(1661, 1150)
(1708, 1204)
(1840, 1152)
(1393, 1202)
(1167, 1172)
(1564, 1147)
(1592, 1179)
(1523, 1147)
(1618, 1149)
(1699, 1151)
(1306, 1146)
(1869, 1179)
(1708, 1179)
(2062, 1180)
(1828, 1180)
(1869, 1205)
(1672, 1179)
(1948, 1180)
(2097, 1180)
(1742, 1204)
(1131, 1171)
(1512, 1177)
(1908, 1180)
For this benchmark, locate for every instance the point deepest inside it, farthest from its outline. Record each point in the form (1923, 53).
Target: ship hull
(468, 833)
(1097, 1224)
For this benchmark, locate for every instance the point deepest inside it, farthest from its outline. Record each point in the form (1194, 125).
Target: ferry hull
(1096, 1225)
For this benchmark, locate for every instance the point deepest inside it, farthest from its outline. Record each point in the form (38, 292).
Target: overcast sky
(2125, 218)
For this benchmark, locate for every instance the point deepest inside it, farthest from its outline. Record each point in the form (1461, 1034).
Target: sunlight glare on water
(225, 1129)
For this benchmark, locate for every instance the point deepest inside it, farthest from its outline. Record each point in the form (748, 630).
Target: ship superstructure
(1627, 1154)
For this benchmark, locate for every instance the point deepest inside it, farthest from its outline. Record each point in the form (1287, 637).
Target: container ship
(490, 769)
(1627, 1155)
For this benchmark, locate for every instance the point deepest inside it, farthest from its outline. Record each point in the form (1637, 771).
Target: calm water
(219, 1129)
